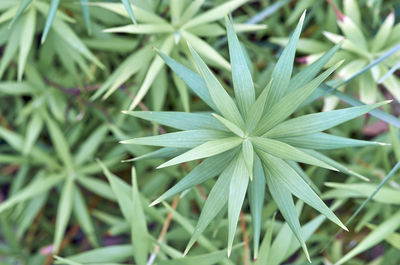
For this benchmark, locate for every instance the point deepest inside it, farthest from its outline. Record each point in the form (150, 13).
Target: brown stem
(246, 255)
(164, 230)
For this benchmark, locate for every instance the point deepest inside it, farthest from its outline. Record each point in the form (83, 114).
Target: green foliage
(244, 147)
(261, 140)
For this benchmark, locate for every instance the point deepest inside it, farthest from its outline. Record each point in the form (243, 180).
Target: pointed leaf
(142, 29)
(63, 212)
(241, 76)
(127, 5)
(237, 192)
(257, 110)
(283, 68)
(35, 188)
(216, 200)
(215, 14)
(317, 122)
(139, 232)
(222, 100)
(256, 198)
(248, 153)
(287, 177)
(291, 101)
(376, 236)
(50, 17)
(209, 168)
(192, 79)
(184, 139)
(207, 149)
(266, 244)
(60, 143)
(180, 120)
(21, 8)
(25, 43)
(114, 253)
(152, 72)
(325, 141)
(122, 192)
(205, 259)
(307, 74)
(283, 198)
(287, 152)
(229, 125)
(383, 33)
(83, 217)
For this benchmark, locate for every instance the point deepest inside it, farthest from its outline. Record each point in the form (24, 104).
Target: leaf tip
(157, 201)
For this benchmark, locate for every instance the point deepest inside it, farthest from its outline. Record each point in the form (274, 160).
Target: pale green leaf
(386, 195)
(265, 245)
(64, 210)
(25, 43)
(121, 191)
(139, 232)
(283, 68)
(241, 76)
(256, 198)
(33, 130)
(237, 192)
(204, 259)
(287, 152)
(206, 50)
(207, 149)
(142, 29)
(180, 120)
(352, 32)
(124, 71)
(248, 153)
(214, 14)
(257, 110)
(50, 17)
(35, 188)
(286, 176)
(184, 139)
(191, 10)
(333, 163)
(291, 101)
(209, 168)
(317, 122)
(216, 200)
(376, 236)
(21, 8)
(152, 72)
(83, 217)
(141, 14)
(60, 143)
(229, 125)
(325, 141)
(283, 198)
(192, 79)
(307, 74)
(383, 33)
(222, 100)
(114, 253)
(128, 7)
(88, 148)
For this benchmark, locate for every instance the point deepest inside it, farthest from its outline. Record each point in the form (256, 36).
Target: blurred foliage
(67, 70)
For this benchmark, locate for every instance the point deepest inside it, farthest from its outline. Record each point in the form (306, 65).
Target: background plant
(65, 192)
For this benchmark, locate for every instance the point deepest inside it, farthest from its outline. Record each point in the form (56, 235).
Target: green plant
(251, 125)
(249, 141)
(186, 24)
(358, 50)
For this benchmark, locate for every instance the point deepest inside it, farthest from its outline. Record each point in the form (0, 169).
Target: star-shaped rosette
(249, 142)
